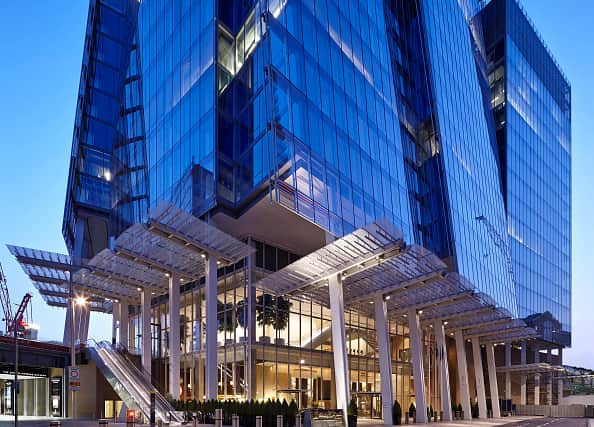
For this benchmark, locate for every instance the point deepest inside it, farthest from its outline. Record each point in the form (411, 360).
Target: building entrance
(369, 404)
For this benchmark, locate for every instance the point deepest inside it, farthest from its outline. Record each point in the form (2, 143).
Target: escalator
(131, 385)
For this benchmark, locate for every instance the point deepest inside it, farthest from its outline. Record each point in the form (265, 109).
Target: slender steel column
(463, 374)
(479, 378)
(211, 368)
(385, 359)
(145, 302)
(124, 324)
(115, 314)
(174, 341)
(493, 388)
(444, 371)
(339, 350)
(416, 349)
(508, 363)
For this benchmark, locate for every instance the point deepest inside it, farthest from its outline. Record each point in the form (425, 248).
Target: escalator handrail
(132, 379)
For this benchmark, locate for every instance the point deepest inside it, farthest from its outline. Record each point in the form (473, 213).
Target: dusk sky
(41, 45)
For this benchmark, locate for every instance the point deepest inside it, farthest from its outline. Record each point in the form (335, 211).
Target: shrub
(396, 413)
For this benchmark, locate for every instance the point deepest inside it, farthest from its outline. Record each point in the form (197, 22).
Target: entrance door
(369, 404)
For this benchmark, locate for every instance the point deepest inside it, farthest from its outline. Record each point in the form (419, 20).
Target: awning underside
(173, 243)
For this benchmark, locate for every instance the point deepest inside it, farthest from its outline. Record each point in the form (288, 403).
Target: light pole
(80, 301)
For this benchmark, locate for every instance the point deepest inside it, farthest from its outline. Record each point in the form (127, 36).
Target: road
(554, 422)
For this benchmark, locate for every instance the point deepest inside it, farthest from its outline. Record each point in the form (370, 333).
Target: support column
(463, 375)
(124, 324)
(523, 393)
(85, 317)
(559, 391)
(444, 371)
(174, 342)
(479, 378)
(385, 359)
(524, 348)
(416, 348)
(537, 389)
(549, 389)
(341, 362)
(146, 360)
(494, 390)
(251, 327)
(508, 363)
(212, 346)
(115, 314)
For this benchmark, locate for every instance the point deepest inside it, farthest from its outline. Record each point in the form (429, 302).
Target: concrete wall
(576, 411)
(578, 400)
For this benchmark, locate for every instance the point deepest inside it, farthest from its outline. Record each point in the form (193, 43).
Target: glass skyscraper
(286, 121)
(531, 101)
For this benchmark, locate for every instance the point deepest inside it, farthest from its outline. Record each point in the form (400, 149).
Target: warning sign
(74, 378)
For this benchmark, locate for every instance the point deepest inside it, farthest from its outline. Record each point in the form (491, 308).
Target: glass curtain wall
(291, 346)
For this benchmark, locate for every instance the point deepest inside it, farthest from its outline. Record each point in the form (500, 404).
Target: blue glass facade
(342, 112)
(531, 99)
(108, 44)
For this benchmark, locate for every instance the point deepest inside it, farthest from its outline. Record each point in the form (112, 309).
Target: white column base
(479, 378)
(463, 375)
(416, 348)
(385, 360)
(493, 387)
(341, 363)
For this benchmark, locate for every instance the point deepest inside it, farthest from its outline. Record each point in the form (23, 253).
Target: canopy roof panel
(358, 250)
(185, 229)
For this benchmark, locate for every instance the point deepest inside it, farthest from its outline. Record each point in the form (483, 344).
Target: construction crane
(17, 322)
(5, 298)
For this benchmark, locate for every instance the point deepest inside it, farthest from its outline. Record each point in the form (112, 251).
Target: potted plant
(226, 320)
(352, 412)
(271, 311)
(396, 413)
(412, 411)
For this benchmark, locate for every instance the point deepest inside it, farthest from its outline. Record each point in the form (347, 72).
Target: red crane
(16, 321)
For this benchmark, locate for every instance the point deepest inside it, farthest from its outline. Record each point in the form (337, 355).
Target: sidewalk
(491, 422)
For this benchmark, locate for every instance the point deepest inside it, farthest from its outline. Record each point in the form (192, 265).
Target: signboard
(74, 378)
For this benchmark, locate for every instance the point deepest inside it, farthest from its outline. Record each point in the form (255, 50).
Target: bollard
(440, 416)
(406, 420)
(298, 420)
(103, 422)
(218, 417)
(195, 422)
(435, 416)
(258, 420)
(55, 424)
(279, 421)
(234, 421)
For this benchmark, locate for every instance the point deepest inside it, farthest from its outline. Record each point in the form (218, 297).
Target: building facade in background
(531, 101)
(288, 122)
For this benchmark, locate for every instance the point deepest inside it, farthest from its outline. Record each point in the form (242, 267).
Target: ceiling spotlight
(420, 312)
(139, 289)
(302, 361)
(218, 262)
(370, 302)
(445, 323)
(203, 255)
(166, 274)
(387, 298)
